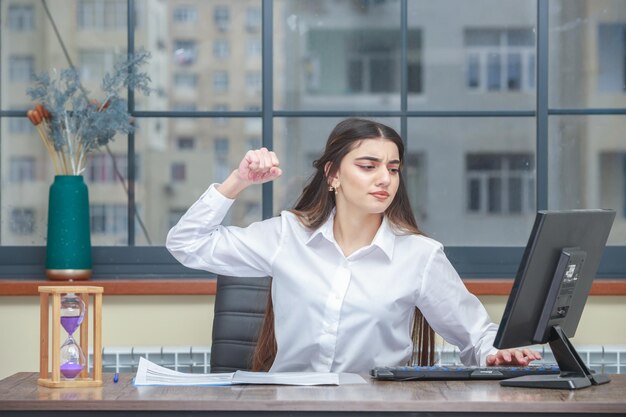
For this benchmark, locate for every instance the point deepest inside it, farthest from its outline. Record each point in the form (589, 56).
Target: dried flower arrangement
(70, 124)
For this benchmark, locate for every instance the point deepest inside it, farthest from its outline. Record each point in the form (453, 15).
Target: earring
(331, 189)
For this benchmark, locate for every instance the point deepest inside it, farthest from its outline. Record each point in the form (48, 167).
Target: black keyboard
(444, 373)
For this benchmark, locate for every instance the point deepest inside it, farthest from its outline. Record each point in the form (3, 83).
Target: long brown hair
(316, 203)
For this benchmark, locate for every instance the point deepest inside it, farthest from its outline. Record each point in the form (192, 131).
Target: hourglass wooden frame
(53, 379)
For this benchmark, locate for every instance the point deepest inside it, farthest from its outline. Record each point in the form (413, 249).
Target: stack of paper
(149, 373)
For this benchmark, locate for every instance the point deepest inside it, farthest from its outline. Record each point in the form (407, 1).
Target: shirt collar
(384, 239)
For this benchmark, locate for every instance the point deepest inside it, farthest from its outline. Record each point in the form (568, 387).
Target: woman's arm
(199, 240)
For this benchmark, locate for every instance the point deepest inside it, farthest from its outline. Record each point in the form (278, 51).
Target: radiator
(196, 359)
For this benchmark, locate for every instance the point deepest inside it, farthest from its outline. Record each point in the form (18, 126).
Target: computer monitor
(550, 290)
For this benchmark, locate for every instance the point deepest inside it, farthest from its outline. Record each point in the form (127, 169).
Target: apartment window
(94, 64)
(221, 17)
(220, 154)
(253, 19)
(21, 68)
(100, 168)
(102, 14)
(185, 14)
(185, 52)
(22, 168)
(253, 82)
(21, 125)
(220, 81)
(372, 61)
(185, 80)
(22, 221)
(370, 72)
(500, 183)
(108, 219)
(612, 57)
(21, 17)
(500, 60)
(221, 108)
(221, 48)
(178, 172)
(253, 48)
(185, 143)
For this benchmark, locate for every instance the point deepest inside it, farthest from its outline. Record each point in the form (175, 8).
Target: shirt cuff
(213, 197)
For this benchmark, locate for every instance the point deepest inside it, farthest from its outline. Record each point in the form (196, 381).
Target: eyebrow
(371, 158)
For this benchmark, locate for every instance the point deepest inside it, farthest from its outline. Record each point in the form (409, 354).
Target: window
(102, 14)
(178, 172)
(108, 219)
(21, 17)
(221, 17)
(612, 57)
(22, 168)
(500, 183)
(185, 14)
(185, 52)
(22, 221)
(186, 80)
(221, 48)
(94, 64)
(500, 60)
(253, 19)
(21, 68)
(100, 168)
(220, 161)
(465, 62)
(185, 143)
(220, 81)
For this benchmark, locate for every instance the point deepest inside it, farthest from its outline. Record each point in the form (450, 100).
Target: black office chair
(240, 304)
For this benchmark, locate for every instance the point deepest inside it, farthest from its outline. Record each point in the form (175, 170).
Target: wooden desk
(20, 395)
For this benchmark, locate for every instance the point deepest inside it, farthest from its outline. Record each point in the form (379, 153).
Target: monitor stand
(574, 373)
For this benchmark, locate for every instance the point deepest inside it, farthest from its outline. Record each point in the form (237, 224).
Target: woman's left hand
(506, 357)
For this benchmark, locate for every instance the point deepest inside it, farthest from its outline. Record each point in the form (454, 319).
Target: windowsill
(208, 286)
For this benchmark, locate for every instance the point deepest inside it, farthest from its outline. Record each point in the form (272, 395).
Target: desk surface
(20, 395)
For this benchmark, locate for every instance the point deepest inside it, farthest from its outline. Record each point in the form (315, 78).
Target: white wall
(187, 321)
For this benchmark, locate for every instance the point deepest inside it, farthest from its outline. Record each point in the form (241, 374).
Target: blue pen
(116, 378)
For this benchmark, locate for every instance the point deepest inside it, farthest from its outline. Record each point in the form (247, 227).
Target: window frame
(141, 262)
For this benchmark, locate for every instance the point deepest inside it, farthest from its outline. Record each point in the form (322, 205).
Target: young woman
(349, 264)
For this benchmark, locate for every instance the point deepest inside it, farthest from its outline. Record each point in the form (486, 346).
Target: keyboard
(446, 373)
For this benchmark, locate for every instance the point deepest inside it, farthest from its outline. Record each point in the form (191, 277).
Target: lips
(381, 195)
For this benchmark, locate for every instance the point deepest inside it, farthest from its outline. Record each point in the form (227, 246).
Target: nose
(384, 177)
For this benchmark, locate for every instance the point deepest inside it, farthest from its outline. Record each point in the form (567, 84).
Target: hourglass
(70, 312)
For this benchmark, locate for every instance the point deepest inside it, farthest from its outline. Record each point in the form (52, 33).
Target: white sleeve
(454, 313)
(199, 241)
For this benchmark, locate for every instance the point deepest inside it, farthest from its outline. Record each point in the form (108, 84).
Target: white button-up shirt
(332, 312)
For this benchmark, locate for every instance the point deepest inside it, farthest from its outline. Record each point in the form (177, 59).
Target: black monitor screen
(552, 283)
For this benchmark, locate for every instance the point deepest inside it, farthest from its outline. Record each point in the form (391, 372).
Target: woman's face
(368, 177)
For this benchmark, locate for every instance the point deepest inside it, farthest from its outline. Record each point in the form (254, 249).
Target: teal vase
(68, 249)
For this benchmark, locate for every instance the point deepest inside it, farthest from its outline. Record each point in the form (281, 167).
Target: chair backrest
(239, 309)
